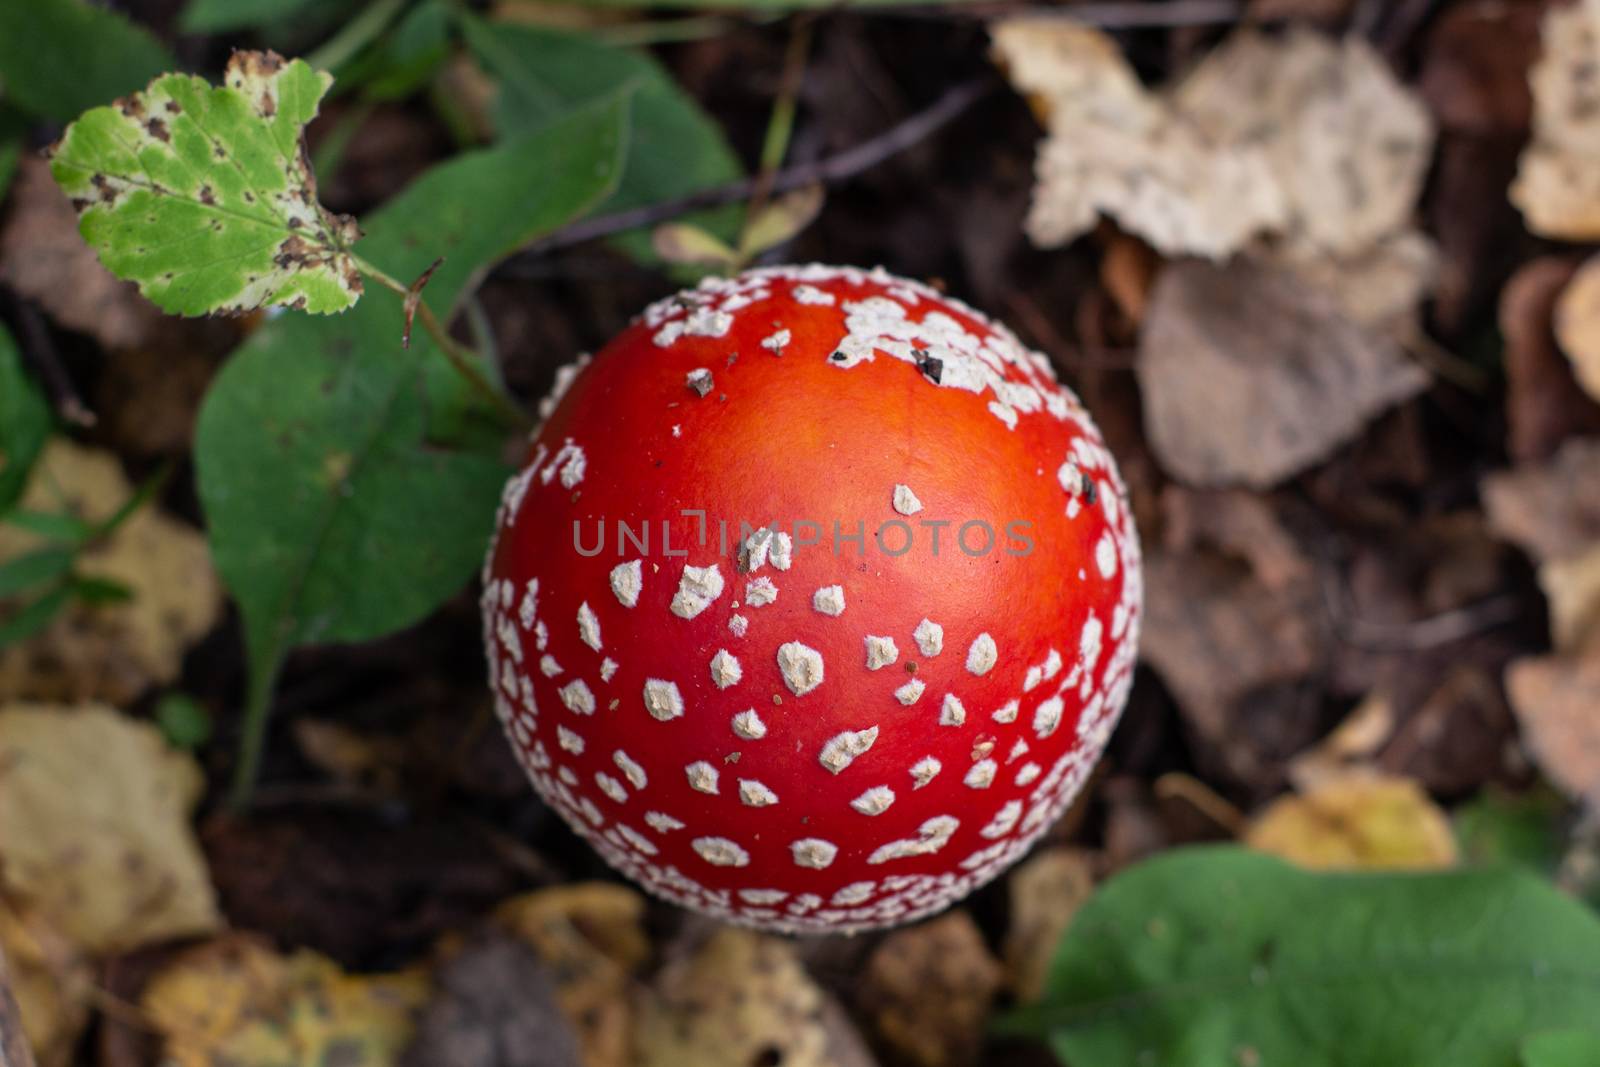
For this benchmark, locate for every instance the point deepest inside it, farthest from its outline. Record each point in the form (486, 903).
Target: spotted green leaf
(204, 195)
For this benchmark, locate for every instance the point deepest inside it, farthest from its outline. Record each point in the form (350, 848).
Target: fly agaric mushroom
(815, 601)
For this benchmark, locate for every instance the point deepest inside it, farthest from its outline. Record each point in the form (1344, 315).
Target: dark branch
(829, 171)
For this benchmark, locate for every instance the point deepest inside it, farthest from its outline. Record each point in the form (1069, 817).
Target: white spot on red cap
(1027, 773)
(577, 696)
(929, 636)
(813, 852)
(1007, 712)
(842, 749)
(569, 741)
(548, 666)
(854, 893)
(952, 712)
(627, 580)
(608, 669)
(528, 611)
(874, 801)
(1004, 821)
(1105, 556)
(810, 294)
(905, 501)
(630, 768)
(588, 626)
(763, 896)
(801, 667)
(755, 794)
(760, 592)
(932, 836)
(661, 822)
(881, 652)
(911, 692)
(721, 852)
(702, 777)
(748, 725)
(829, 600)
(981, 775)
(611, 787)
(662, 699)
(698, 587)
(738, 625)
(776, 342)
(924, 771)
(725, 669)
(982, 654)
(1047, 716)
(699, 380)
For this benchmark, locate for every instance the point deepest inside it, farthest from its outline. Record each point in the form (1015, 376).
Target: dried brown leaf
(1549, 509)
(927, 990)
(1558, 179)
(1046, 891)
(1250, 376)
(1554, 698)
(51, 981)
(1577, 325)
(94, 827)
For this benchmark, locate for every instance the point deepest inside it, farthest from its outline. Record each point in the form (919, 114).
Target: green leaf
(677, 148)
(33, 617)
(1498, 827)
(61, 57)
(64, 529)
(93, 590)
(331, 515)
(1220, 956)
(214, 16)
(183, 721)
(34, 569)
(204, 195)
(1562, 1048)
(24, 422)
(405, 59)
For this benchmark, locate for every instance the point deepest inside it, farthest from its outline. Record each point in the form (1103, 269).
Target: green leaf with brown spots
(204, 195)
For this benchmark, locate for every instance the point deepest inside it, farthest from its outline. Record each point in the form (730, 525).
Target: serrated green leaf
(677, 148)
(214, 16)
(1222, 956)
(204, 195)
(1562, 1048)
(331, 515)
(24, 422)
(59, 58)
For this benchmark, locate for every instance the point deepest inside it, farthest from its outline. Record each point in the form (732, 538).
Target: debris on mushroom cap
(955, 635)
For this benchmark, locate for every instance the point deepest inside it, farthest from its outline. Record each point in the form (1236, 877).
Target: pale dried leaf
(1577, 325)
(1249, 376)
(1557, 186)
(1353, 743)
(927, 991)
(741, 998)
(1379, 287)
(94, 827)
(1554, 698)
(1357, 821)
(1348, 145)
(236, 1003)
(1550, 509)
(51, 980)
(1572, 587)
(688, 244)
(1117, 149)
(110, 652)
(43, 258)
(1046, 891)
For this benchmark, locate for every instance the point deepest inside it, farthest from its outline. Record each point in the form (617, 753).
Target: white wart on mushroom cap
(797, 735)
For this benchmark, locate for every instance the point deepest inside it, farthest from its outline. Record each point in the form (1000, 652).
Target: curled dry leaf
(236, 1003)
(1298, 135)
(742, 998)
(94, 827)
(110, 652)
(1554, 698)
(1550, 509)
(927, 991)
(1577, 325)
(1046, 892)
(1557, 186)
(1544, 404)
(1357, 820)
(43, 258)
(51, 981)
(1572, 588)
(592, 937)
(1249, 376)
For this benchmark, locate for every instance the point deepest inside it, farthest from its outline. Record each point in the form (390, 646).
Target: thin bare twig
(832, 170)
(41, 352)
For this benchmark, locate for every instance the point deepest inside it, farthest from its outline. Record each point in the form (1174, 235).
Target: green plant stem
(780, 127)
(356, 34)
(462, 358)
(253, 741)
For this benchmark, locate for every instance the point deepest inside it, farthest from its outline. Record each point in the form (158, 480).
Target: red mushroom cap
(816, 600)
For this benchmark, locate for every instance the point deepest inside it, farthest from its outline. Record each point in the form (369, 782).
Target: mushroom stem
(462, 358)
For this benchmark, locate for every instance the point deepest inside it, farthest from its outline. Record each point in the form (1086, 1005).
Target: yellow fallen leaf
(592, 936)
(94, 827)
(110, 652)
(1358, 820)
(1557, 186)
(51, 981)
(236, 1003)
